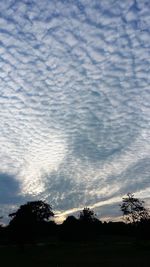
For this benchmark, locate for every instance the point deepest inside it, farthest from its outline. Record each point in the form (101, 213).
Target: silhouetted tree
(32, 212)
(89, 225)
(133, 209)
(87, 215)
(28, 220)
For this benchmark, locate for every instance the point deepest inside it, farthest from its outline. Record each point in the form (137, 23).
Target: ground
(110, 251)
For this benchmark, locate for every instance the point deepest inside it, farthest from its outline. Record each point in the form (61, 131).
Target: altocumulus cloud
(74, 98)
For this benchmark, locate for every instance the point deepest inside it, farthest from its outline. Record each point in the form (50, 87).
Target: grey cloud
(9, 190)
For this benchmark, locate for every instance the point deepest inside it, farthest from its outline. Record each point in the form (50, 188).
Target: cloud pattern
(74, 98)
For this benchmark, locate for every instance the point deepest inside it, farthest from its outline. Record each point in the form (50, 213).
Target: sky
(74, 103)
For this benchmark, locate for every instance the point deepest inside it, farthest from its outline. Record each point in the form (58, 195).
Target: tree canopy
(87, 215)
(32, 212)
(133, 209)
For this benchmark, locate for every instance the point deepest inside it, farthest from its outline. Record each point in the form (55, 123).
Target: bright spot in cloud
(41, 159)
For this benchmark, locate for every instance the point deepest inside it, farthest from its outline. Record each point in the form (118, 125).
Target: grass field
(111, 252)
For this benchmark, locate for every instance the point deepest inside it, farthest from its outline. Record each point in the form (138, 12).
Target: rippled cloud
(74, 98)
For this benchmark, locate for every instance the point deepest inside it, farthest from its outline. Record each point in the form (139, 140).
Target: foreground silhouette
(31, 224)
(33, 239)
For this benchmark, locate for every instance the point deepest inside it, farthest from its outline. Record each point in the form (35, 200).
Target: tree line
(32, 223)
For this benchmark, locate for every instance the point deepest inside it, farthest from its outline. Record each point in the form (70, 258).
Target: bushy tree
(31, 213)
(28, 221)
(133, 209)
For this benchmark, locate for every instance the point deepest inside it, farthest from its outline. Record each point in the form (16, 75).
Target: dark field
(111, 251)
